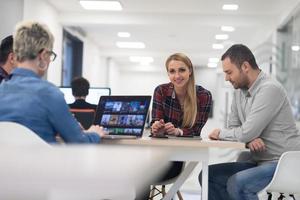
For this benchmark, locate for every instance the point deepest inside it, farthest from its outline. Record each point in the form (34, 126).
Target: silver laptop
(122, 116)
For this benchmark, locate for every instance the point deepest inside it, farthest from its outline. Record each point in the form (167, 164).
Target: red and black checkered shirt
(166, 106)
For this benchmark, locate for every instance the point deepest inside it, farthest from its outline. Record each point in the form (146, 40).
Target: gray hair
(30, 38)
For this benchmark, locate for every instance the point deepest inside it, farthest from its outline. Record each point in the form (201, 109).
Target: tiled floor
(185, 195)
(189, 196)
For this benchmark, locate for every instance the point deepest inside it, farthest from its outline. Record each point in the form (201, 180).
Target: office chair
(16, 134)
(84, 116)
(163, 184)
(286, 177)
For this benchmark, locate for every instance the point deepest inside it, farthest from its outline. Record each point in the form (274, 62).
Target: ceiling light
(212, 65)
(295, 47)
(131, 45)
(221, 37)
(218, 46)
(230, 7)
(141, 59)
(213, 60)
(101, 5)
(124, 34)
(227, 28)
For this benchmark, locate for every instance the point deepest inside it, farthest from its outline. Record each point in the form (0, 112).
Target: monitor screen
(94, 94)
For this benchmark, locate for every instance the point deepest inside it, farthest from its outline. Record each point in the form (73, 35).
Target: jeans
(238, 180)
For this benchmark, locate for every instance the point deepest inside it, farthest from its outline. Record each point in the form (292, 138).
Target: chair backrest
(84, 116)
(12, 133)
(286, 178)
(171, 180)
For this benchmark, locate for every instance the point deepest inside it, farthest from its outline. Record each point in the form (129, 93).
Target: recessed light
(227, 28)
(212, 65)
(131, 45)
(101, 5)
(221, 37)
(230, 7)
(295, 47)
(124, 34)
(213, 60)
(218, 46)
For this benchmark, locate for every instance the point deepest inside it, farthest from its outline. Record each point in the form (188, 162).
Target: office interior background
(92, 44)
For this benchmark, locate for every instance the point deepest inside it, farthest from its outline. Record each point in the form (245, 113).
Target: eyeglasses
(52, 55)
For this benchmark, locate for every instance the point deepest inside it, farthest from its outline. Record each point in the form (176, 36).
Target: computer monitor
(93, 97)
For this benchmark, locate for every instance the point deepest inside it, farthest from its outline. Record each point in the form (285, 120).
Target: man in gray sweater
(261, 117)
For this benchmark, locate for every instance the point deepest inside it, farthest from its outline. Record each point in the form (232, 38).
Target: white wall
(114, 77)
(94, 65)
(141, 82)
(43, 12)
(9, 18)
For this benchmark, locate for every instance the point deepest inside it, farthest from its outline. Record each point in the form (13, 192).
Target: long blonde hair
(190, 101)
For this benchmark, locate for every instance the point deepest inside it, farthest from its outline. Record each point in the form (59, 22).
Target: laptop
(122, 116)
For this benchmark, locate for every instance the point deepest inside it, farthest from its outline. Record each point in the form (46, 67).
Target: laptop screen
(123, 115)
(93, 96)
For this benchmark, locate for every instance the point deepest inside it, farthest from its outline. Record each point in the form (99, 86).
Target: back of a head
(239, 53)
(31, 38)
(6, 48)
(80, 87)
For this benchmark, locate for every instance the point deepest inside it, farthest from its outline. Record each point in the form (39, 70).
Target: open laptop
(122, 116)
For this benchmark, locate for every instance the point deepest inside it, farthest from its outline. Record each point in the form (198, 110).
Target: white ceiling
(169, 26)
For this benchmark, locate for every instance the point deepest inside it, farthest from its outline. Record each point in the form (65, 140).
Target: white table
(79, 172)
(192, 150)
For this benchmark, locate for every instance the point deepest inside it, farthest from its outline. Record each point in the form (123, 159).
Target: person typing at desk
(261, 117)
(180, 107)
(80, 89)
(35, 103)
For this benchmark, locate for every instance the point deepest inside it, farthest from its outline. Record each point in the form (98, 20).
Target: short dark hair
(80, 87)
(6, 48)
(238, 54)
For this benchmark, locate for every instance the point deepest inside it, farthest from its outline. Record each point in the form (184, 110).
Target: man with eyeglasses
(33, 102)
(7, 63)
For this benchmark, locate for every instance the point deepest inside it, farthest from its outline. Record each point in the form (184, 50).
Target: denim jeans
(238, 180)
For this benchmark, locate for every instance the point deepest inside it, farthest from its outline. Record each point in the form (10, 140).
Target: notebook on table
(122, 116)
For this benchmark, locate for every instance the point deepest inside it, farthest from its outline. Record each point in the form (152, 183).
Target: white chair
(286, 179)
(163, 187)
(12, 133)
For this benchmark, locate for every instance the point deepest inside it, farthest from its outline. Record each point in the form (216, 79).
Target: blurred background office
(125, 47)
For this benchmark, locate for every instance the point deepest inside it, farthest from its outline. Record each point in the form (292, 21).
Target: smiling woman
(180, 107)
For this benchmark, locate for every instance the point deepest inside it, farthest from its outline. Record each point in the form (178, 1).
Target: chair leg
(163, 190)
(152, 192)
(269, 195)
(179, 195)
(281, 197)
(291, 195)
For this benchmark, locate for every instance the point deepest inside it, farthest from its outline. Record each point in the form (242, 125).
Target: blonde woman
(33, 102)
(180, 107)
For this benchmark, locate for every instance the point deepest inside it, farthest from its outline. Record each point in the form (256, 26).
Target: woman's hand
(171, 130)
(158, 127)
(97, 129)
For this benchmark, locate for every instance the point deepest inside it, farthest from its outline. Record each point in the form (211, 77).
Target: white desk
(79, 172)
(182, 149)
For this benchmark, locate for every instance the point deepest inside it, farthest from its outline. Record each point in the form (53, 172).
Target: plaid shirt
(166, 106)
